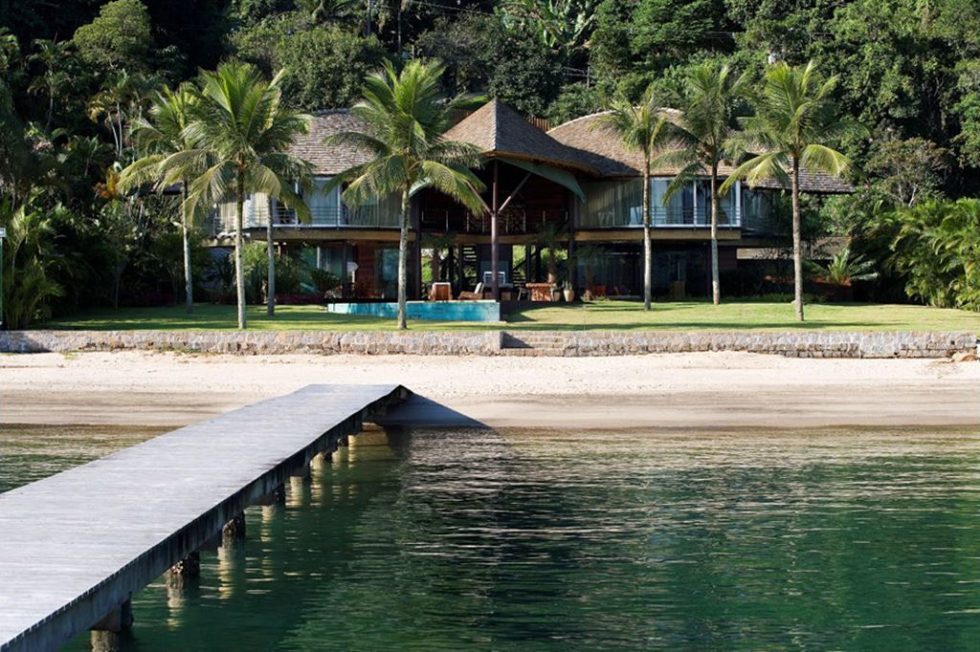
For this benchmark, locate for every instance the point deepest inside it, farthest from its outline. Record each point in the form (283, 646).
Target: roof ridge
(579, 119)
(495, 104)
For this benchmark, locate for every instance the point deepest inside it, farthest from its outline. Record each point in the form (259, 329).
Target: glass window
(679, 210)
(386, 271)
(324, 206)
(612, 204)
(382, 212)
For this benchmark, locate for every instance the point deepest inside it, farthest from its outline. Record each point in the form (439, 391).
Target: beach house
(567, 188)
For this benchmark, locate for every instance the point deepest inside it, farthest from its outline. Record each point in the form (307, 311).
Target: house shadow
(421, 412)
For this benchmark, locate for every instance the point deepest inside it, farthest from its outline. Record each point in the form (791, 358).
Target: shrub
(937, 248)
(324, 281)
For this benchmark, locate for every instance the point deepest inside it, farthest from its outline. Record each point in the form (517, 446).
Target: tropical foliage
(703, 138)
(159, 138)
(937, 249)
(795, 119)
(239, 134)
(78, 77)
(844, 268)
(27, 262)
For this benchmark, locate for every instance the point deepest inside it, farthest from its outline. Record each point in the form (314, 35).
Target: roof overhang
(555, 174)
(541, 160)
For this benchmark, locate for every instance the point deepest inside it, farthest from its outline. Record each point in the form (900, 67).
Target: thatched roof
(499, 131)
(329, 160)
(582, 145)
(601, 148)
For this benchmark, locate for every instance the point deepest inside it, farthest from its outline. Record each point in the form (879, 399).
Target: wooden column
(451, 269)
(460, 268)
(572, 263)
(344, 274)
(417, 253)
(494, 243)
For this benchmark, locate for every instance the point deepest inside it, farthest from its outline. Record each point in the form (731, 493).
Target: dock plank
(77, 544)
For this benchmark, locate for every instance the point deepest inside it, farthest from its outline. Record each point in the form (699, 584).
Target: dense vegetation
(75, 77)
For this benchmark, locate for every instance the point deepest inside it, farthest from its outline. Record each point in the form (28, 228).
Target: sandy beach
(703, 390)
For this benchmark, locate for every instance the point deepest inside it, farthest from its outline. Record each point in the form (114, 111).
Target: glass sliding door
(679, 210)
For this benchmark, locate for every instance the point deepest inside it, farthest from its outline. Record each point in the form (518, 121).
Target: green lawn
(619, 315)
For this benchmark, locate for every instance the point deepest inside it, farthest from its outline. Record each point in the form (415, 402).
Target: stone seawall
(827, 344)
(255, 342)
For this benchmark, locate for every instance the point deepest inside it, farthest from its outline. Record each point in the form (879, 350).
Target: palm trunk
(403, 263)
(270, 300)
(435, 265)
(715, 283)
(647, 248)
(188, 272)
(117, 282)
(239, 263)
(797, 242)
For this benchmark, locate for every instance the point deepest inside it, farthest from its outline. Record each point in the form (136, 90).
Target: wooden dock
(74, 547)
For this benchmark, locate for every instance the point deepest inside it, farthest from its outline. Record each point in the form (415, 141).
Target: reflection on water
(510, 540)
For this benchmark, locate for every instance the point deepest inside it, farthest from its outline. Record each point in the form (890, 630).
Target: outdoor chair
(475, 295)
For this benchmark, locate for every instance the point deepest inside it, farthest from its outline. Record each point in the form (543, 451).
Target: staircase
(518, 277)
(535, 344)
(470, 267)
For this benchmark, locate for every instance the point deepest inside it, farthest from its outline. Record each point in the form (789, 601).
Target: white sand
(702, 390)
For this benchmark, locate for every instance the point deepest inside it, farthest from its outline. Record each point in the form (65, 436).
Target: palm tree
(240, 131)
(119, 103)
(702, 139)
(158, 138)
(794, 118)
(49, 56)
(642, 128)
(406, 115)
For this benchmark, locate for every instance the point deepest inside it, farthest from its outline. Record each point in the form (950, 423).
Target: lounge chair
(475, 295)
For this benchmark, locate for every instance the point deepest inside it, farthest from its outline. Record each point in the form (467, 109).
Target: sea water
(599, 540)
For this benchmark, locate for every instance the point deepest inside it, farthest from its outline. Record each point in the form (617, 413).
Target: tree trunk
(647, 249)
(494, 236)
(403, 263)
(270, 299)
(188, 271)
(239, 263)
(797, 242)
(715, 283)
(116, 282)
(435, 264)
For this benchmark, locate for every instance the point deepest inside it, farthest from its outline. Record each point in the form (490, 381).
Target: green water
(488, 540)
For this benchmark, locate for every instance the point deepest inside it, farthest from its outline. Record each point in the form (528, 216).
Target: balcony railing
(509, 222)
(368, 217)
(661, 218)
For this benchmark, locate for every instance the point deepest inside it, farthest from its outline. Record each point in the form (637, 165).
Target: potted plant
(325, 282)
(589, 255)
(568, 291)
(550, 237)
(438, 244)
